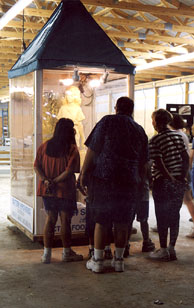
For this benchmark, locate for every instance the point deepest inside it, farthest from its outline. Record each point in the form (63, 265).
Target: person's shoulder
(42, 148)
(176, 134)
(105, 119)
(154, 138)
(74, 148)
(138, 126)
(43, 145)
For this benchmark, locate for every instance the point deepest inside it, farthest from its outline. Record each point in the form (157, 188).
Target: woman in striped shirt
(169, 170)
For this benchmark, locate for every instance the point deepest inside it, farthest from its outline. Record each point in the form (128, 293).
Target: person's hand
(172, 178)
(46, 183)
(49, 184)
(81, 184)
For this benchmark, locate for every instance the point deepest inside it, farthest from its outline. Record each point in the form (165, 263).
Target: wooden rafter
(143, 32)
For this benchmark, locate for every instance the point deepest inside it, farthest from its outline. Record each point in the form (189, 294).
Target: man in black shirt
(116, 155)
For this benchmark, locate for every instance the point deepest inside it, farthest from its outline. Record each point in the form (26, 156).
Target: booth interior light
(14, 11)
(66, 82)
(182, 58)
(94, 83)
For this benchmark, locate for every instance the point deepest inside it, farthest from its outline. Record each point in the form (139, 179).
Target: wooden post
(156, 97)
(130, 86)
(186, 93)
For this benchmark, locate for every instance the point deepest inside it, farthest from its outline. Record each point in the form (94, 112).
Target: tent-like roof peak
(71, 37)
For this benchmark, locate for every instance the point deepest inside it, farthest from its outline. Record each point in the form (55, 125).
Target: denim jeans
(168, 198)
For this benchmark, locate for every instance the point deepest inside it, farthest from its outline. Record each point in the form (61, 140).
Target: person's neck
(122, 113)
(161, 129)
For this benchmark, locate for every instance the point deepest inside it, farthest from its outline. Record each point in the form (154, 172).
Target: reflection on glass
(71, 109)
(22, 138)
(59, 101)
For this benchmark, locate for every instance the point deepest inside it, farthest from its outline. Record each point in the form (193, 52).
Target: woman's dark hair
(162, 117)
(177, 122)
(63, 137)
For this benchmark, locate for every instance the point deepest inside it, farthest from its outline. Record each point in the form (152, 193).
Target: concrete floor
(25, 282)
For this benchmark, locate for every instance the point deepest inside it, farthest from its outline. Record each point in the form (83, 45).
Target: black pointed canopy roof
(71, 37)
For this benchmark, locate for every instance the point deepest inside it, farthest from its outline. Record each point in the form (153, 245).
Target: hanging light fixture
(104, 77)
(66, 82)
(75, 75)
(23, 42)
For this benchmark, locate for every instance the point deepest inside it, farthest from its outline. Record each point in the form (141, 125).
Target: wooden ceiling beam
(7, 43)
(17, 35)
(10, 50)
(143, 24)
(145, 46)
(164, 38)
(8, 56)
(151, 9)
(27, 25)
(145, 55)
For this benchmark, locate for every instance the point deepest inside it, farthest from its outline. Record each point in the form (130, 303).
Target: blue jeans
(192, 180)
(168, 198)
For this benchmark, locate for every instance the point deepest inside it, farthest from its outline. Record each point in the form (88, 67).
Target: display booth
(187, 113)
(57, 76)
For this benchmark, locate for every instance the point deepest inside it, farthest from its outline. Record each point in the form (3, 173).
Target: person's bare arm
(40, 173)
(191, 157)
(63, 176)
(165, 172)
(161, 166)
(87, 166)
(185, 165)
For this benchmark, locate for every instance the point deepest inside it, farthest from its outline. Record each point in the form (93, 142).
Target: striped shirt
(167, 145)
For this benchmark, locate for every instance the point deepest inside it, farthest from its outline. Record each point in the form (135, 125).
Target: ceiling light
(182, 58)
(66, 82)
(94, 83)
(14, 11)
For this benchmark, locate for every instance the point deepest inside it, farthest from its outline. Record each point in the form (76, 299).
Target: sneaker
(95, 266)
(154, 229)
(71, 256)
(148, 246)
(46, 258)
(118, 264)
(90, 253)
(108, 254)
(133, 230)
(160, 254)
(191, 234)
(126, 251)
(172, 253)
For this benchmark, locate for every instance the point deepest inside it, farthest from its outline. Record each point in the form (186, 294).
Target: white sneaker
(71, 256)
(118, 264)
(191, 234)
(154, 229)
(46, 258)
(95, 265)
(172, 253)
(160, 254)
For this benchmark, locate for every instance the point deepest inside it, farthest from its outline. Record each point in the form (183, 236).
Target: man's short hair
(125, 105)
(162, 117)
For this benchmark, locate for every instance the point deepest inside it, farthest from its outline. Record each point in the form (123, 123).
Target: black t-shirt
(121, 148)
